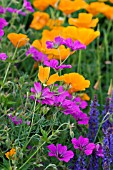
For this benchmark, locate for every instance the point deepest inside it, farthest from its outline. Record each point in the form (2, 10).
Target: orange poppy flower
(96, 7)
(43, 5)
(69, 6)
(84, 20)
(80, 34)
(40, 19)
(77, 82)
(111, 1)
(10, 153)
(61, 53)
(43, 76)
(18, 40)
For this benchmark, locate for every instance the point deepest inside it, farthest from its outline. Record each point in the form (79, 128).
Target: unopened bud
(96, 86)
(110, 88)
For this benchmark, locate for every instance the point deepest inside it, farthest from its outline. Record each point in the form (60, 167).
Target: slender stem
(9, 65)
(42, 145)
(32, 119)
(79, 62)
(103, 120)
(32, 155)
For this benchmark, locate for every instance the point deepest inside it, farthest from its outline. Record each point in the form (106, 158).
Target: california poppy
(96, 7)
(84, 20)
(76, 81)
(68, 6)
(80, 34)
(10, 153)
(40, 19)
(43, 76)
(43, 5)
(18, 40)
(61, 53)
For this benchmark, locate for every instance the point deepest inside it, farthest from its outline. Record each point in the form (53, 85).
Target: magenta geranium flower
(3, 56)
(83, 145)
(54, 44)
(69, 43)
(28, 6)
(99, 150)
(53, 63)
(60, 152)
(44, 96)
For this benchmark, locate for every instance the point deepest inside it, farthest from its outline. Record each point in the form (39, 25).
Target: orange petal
(52, 79)
(43, 74)
(18, 40)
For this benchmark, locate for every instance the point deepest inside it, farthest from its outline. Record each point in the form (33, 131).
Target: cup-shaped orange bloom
(69, 6)
(76, 81)
(84, 35)
(111, 1)
(40, 19)
(42, 5)
(18, 40)
(96, 7)
(84, 20)
(43, 76)
(10, 153)
(61, 53)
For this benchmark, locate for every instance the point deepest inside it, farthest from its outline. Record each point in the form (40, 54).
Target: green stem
(32, 155)
(42, 145)
(32, 119)
(9, 65)
(79, 62)
(103, 120)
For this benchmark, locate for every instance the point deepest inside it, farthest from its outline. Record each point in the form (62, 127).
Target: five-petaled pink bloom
(60, 152)
(83, 145)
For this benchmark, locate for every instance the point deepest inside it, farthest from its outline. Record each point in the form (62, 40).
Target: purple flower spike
(28, 6)
(3, 56)
(60, 152)
(83, 145)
